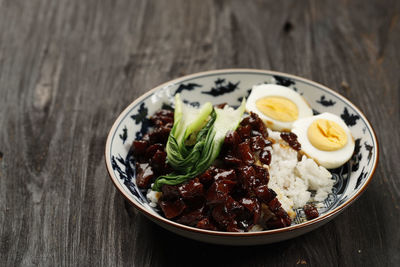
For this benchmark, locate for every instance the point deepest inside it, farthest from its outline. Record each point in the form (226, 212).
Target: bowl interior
(231, 86)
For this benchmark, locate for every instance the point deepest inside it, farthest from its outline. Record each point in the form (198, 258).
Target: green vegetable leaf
(209, 126)
(187, 121)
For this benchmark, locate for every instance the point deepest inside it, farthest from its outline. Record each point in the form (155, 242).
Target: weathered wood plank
(67, 68)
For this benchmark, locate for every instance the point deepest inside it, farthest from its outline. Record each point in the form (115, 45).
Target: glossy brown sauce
(232, 195)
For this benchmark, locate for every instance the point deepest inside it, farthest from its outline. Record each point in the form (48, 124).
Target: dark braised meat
(191, 189)
(206, 224)
(232, 195)
(257, 125)
(171, 208)
(162, 117)
(265, 156)
(150, 152)
(310, 211)
(291, 139)
(145, 175)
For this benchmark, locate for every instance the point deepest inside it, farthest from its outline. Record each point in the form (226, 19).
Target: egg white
(327, 159)
(265, 90)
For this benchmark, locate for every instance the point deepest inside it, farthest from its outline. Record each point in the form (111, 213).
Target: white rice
(294, 180)
(153, 197)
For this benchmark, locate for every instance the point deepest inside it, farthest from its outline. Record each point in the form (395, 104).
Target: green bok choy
(196, 139)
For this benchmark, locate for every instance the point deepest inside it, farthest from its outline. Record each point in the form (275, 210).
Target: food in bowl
(326, 139)
(278, 106)
(215, 169)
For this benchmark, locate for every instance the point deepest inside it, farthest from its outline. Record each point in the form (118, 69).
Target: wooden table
(68, 68)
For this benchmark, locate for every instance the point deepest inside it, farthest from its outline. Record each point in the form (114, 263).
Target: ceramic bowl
(230, 86)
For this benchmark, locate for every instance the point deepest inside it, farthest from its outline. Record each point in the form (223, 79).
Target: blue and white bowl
(230, 86)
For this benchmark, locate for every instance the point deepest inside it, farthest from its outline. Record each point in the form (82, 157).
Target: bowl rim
(326, 217)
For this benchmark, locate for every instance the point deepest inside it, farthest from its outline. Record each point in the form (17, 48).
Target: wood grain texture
(68, 68)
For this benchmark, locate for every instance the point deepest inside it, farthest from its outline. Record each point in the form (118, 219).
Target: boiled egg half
(278, 106)
(325, 138)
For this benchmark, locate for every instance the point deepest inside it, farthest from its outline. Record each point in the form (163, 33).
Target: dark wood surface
(68, 68)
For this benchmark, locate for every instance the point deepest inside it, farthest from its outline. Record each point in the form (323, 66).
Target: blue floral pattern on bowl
(231, 86)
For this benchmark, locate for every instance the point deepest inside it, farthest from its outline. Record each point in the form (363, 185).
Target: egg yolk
(326, 135)
(278, 108)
